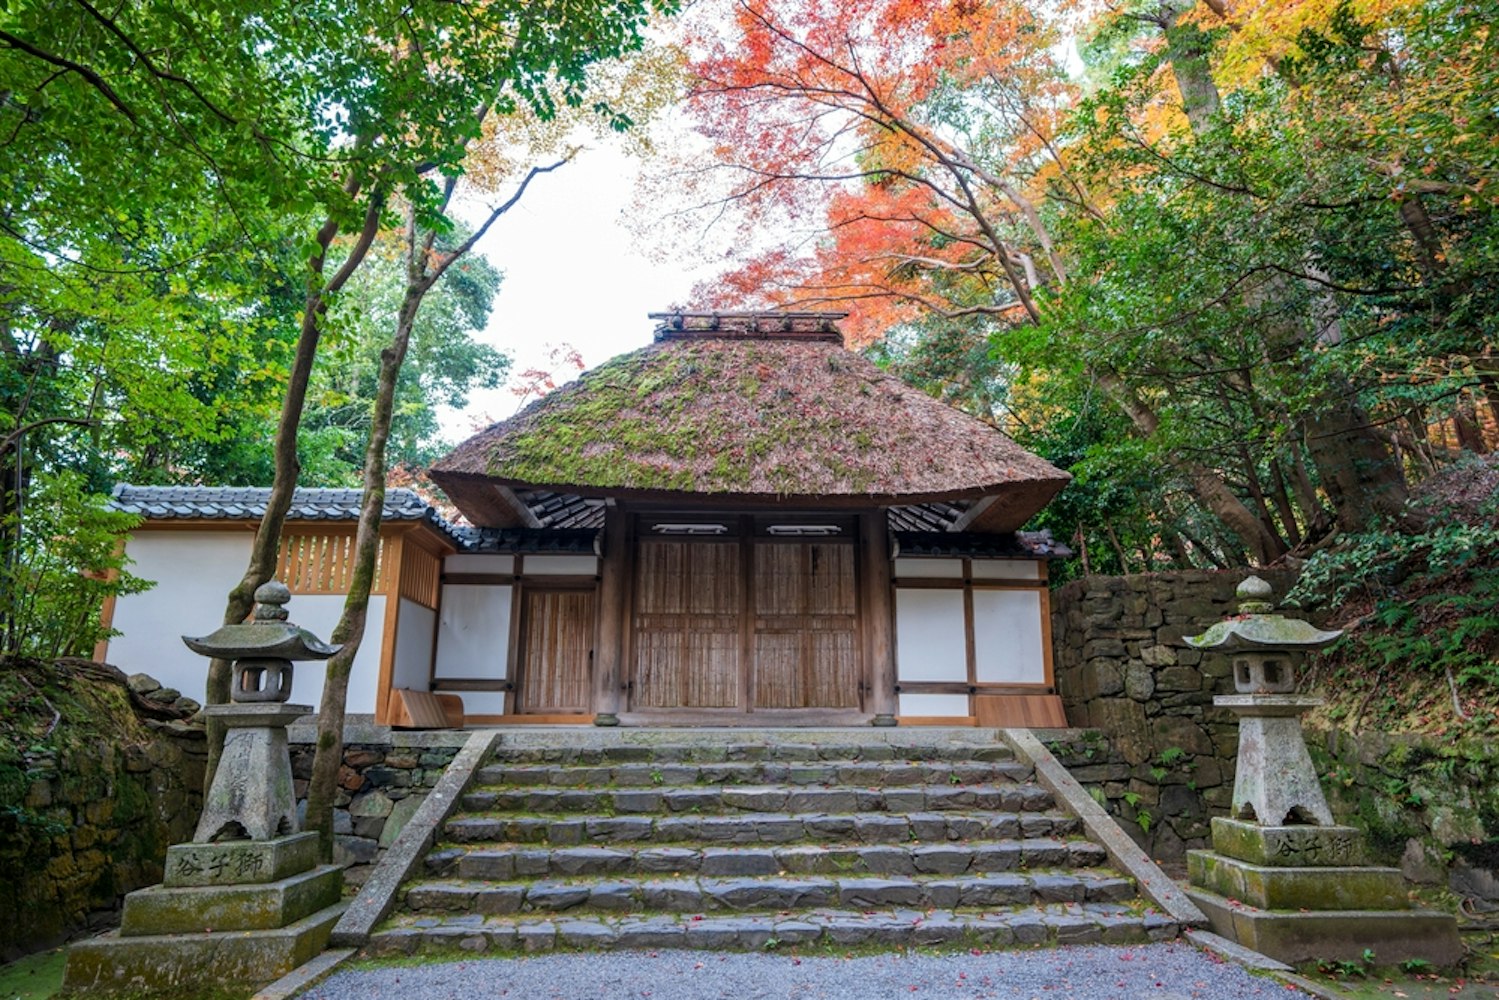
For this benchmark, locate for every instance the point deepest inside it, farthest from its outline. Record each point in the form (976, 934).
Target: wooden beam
(391, 573)
(878, 615)
(1009, 510)
(614, 584)
(489, 505)
(972, 513)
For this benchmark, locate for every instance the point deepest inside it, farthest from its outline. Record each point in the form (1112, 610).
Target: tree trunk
(328, 757)
(267, 544)
(1209, 488)
(1282, 499)
(1357, 471)
(1465, 419)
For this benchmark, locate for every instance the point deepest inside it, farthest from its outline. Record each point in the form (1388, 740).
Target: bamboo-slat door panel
(687, 628)
(556, 651)
(805, 626)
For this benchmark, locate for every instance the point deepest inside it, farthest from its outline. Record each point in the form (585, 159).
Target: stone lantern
(251, 797)
(1283, 878)
(246, 900)
(1275, 783)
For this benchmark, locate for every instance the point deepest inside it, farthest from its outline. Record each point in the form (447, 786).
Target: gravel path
(1158, 972)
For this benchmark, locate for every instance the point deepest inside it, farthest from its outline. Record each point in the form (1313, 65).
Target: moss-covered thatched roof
(788, 418)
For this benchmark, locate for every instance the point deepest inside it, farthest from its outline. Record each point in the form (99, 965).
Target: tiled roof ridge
(309, 503)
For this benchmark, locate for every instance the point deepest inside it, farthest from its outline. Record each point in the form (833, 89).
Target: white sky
(574, 274)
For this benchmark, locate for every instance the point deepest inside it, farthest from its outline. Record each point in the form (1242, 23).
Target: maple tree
(1136, 232)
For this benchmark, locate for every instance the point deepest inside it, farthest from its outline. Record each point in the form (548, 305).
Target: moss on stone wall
(91, 794)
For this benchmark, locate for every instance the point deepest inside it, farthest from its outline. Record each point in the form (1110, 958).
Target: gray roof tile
(236, 502)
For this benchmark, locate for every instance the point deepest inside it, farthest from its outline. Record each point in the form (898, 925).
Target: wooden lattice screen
(321, 561)
(421, 576)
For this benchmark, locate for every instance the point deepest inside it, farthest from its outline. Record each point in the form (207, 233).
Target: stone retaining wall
(1426, 804)
(1166, 762)
(96, 816)
(385, 776)
(1154, 751)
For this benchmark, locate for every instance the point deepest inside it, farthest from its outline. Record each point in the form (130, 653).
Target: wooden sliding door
(688, 610)
(556, 650)
(805, 625)
(736, 618)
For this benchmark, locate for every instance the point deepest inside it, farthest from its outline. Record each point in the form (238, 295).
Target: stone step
(864, 774)
(860, 773)
(759, 799)
(774, 893)
(759, 828)
(1086, 923)
(499, 862)
(581, 751)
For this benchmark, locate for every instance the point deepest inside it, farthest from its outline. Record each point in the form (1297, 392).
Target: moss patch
(35, 977)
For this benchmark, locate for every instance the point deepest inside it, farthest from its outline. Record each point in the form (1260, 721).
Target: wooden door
(687, 625)
(805, 637)
(556, 654)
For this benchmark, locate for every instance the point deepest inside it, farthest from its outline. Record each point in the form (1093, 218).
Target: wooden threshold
(1041, 711)
(529, 720)
(936, 720)
(766, 718)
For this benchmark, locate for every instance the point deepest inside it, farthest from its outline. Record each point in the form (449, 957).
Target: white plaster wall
(941, 569)
(319, 614)
(414, 633)
(194, 572)
(1007, 637)
(561, 565)
(934, 704)
(1006, 569)
(478, 563)
(473, 633)
(482, 702)
(929, 639)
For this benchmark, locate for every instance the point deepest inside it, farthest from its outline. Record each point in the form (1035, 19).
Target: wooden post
(878, 615)
(614, 583)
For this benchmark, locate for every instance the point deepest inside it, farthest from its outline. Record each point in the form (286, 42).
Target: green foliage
(68, 561)
(1171, 755)
(1433, 597)
(443, 363)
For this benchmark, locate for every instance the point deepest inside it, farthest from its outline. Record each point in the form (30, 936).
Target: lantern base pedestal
(241, 911)
(251, 795)
(1294, 937)
(1301, 893)
(113, 964)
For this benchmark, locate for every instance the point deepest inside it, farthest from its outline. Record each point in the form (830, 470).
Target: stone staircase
(755, 840)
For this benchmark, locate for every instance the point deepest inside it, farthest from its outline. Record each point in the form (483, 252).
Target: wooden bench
(425, 710)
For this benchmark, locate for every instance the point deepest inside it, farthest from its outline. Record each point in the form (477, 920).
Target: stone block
(1139, 681)
(1102, 678)
(1124, 721)
(1174, 679)
(1106, 648)
(1157, 655)
(350, 850)
(1175, 731)
(400, 814)
(162, 909)
(1394, 936)
(371, 804)
(1287, 846)
(1268, 887)
(180, 963)
(240, 861)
